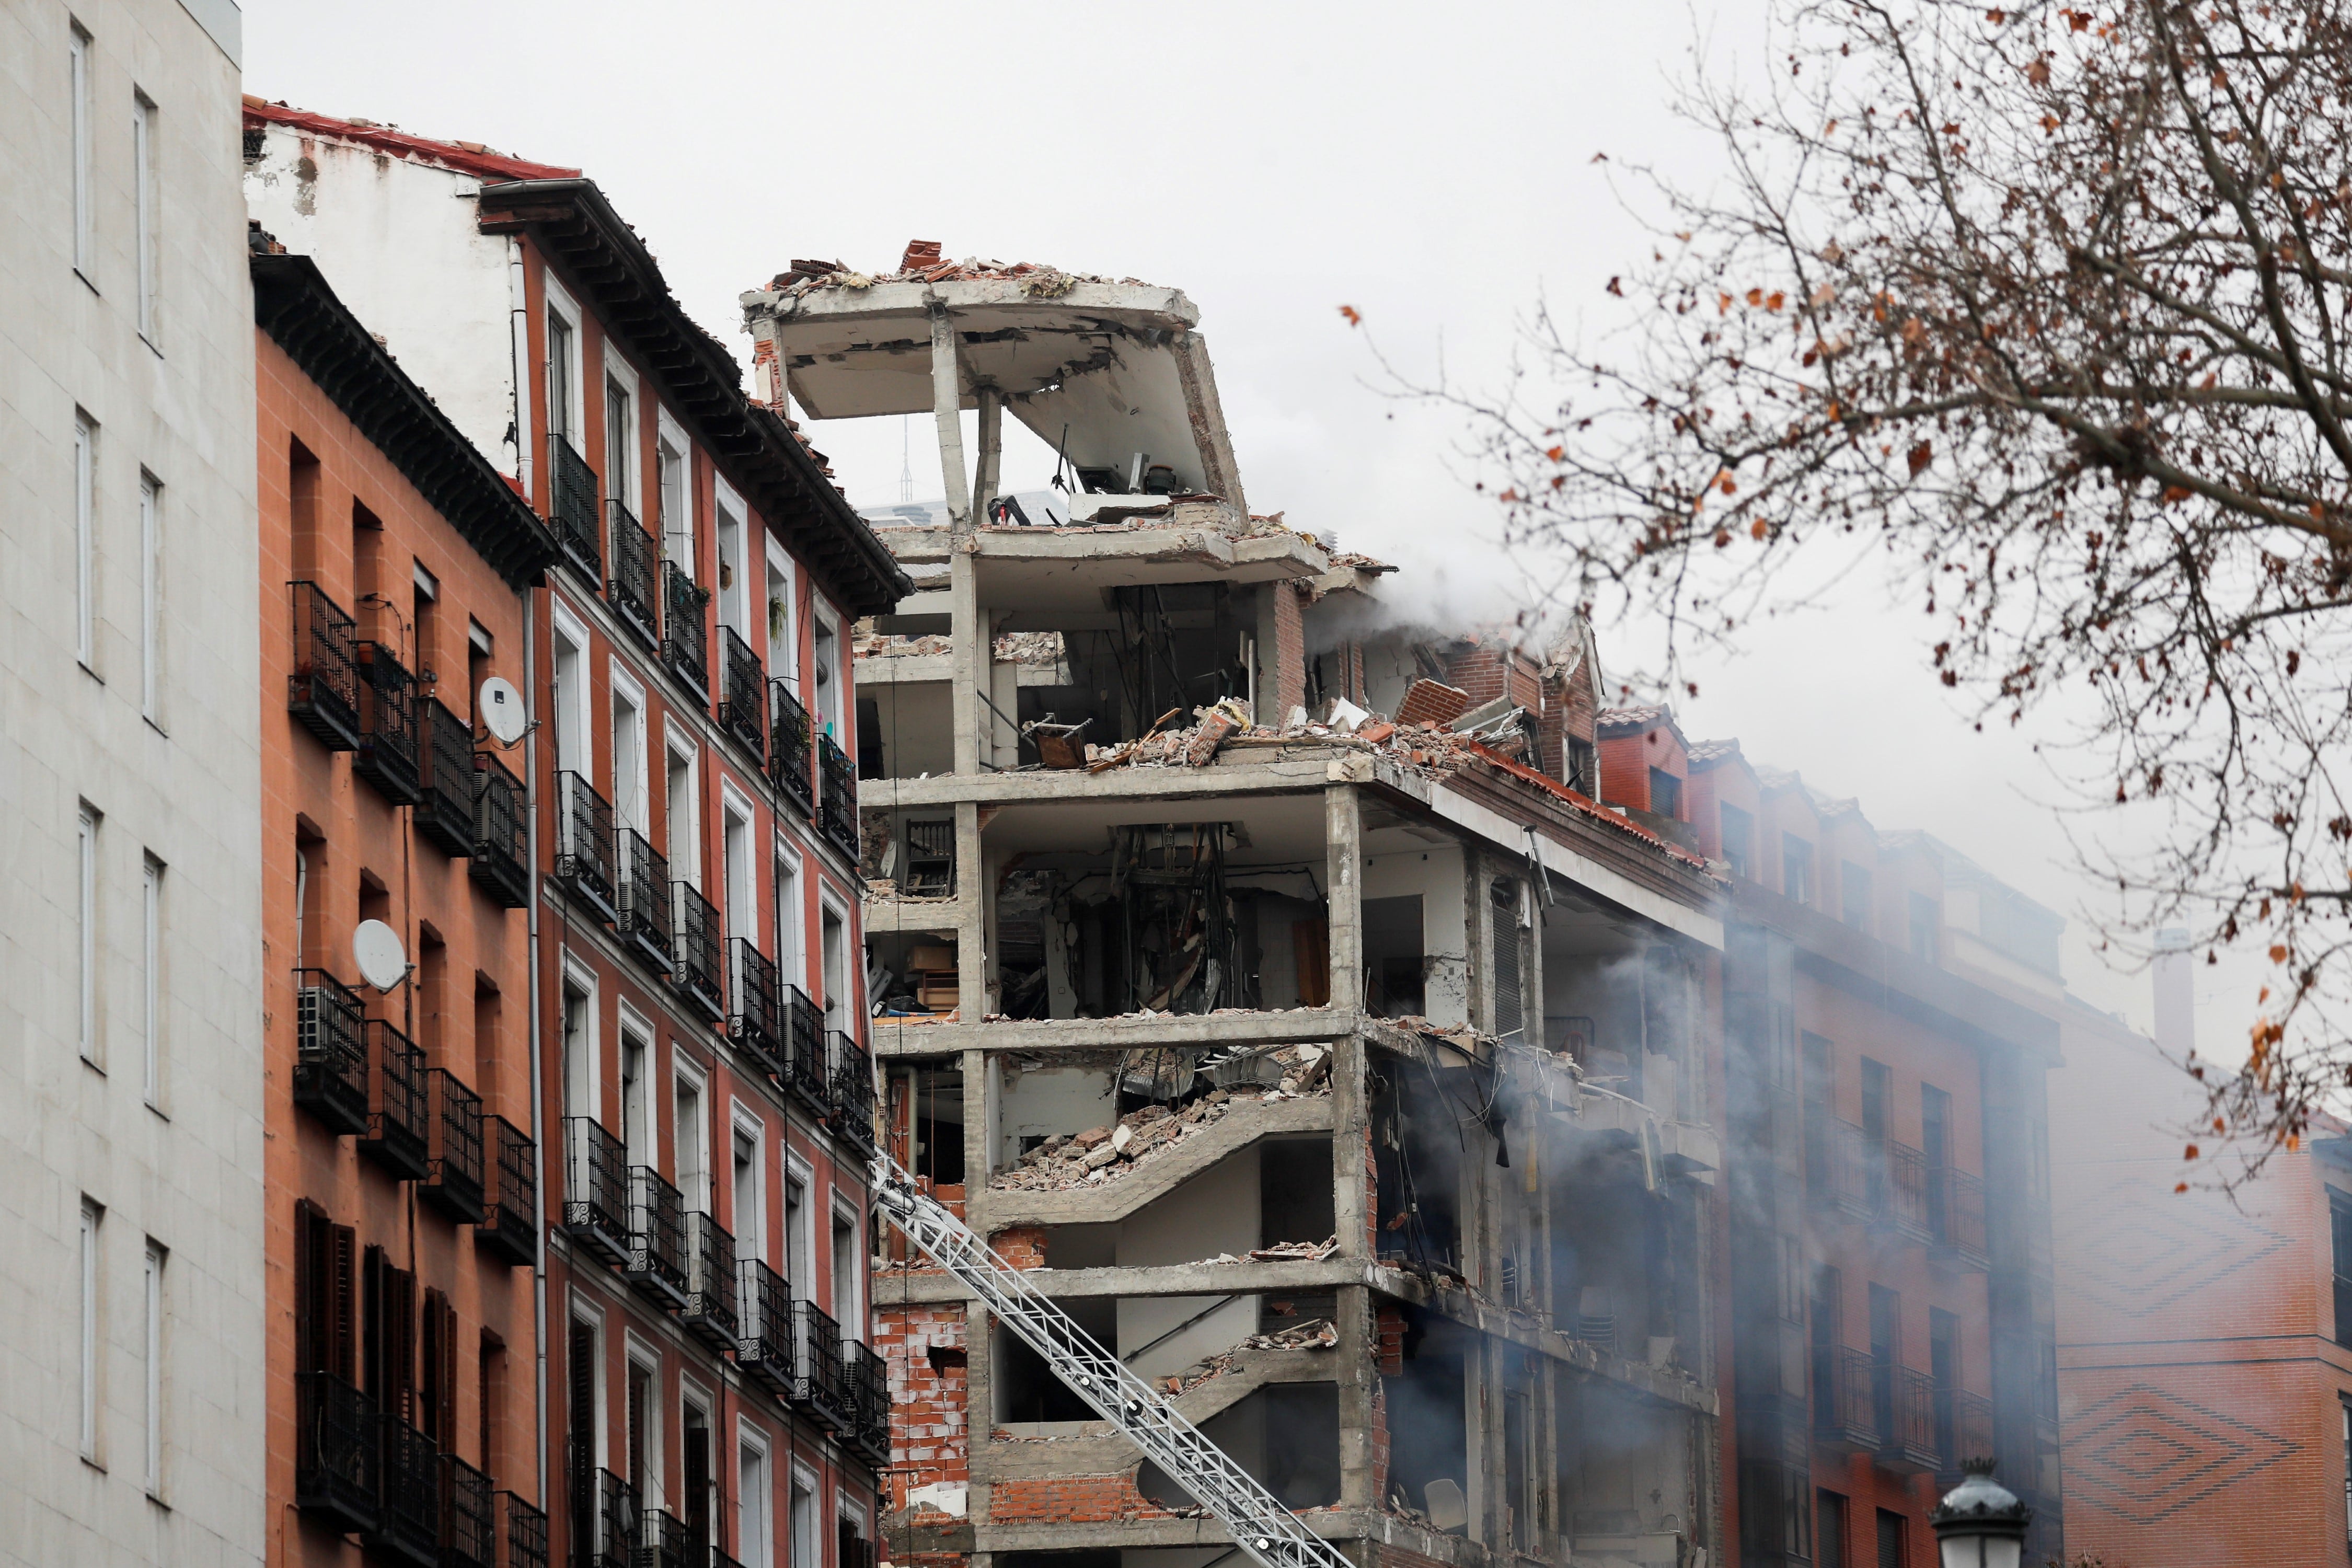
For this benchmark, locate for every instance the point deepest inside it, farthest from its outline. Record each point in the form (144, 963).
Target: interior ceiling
(1282, 828)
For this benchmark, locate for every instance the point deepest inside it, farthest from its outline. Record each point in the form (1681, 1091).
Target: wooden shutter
(343, 1301)
(400, 1300)
(697, 1483)
(373, 1382)
(1310, 950)
(580, 1425)
(437, 1370)
(312, 1301)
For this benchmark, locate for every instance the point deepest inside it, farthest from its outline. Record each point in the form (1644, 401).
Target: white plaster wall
(1436, 874)
(187, 790)
(1216, 1211)
(1043, 1101)
(399, 244)
(918, 727)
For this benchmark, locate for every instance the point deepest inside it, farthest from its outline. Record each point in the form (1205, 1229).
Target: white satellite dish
(376, 949)
(501, 705)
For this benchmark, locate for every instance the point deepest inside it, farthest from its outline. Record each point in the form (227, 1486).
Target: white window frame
(739, 883)
(799, 1244)
(145, 200)
(791, 924)
(676, 747)
(686, 1079)
(86, 540)
(580, 976)
(751, 1239)
(576, 711)
(803, 1518)
(642, 1355)
(825, 676)
(584, 1310)
(677, 532)
(840, 1012)
(150, 980)
(89, 1031)
(731, 524)
(759, 1552)
(91, 1391)
(158, 1255)
(151, 598)
(852, 1323)
(632, 805)
(784, 652)
(80, 47)
(631, 494)
(561, 307)
(638, 1029)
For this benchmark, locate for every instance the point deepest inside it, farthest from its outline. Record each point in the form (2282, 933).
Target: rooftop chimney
(2176, 994)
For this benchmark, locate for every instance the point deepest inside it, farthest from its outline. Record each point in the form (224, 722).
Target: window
(783, 625)
(642, 1431)
(571, 702)
(2345, 1413)
(699, 1504)
(86, 540)
(559, 353)
(629, 755)
(1819, 1090)
(151, 598)
(676, 520)
(583, 1360)
(91, 1214)
(150, 982)
(679, 802)
(2339, 1221)
(1943, 1374)
(636, 1129)
(687, 1144)
(731, 566)
(836, 981)
(86, 955)
(1583, 767)
(1923, 927)
(143, 175)
(1665, 792)
(826, 658)
(1740, 843)
(154, 1349)
(800, 1270)
(750, 1193)
(751, 1486)
(791, 913)
(1796, 869)
(620, 440)
(803, 1543)
(579, 1048)
(1890, 1540)
(844, 1276)
(741, 893)
(85, 247)
(1829, 1530)
(1853, 895)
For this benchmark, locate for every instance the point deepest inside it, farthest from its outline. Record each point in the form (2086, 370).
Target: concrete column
(971, 940)
(1359, 1362)
(1343, 860)
(1359, 1350)
(947, 405)
(991, 452)
(1350, 1144)
(968, 658)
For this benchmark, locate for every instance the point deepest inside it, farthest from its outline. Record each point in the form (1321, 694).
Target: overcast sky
(1433, 170)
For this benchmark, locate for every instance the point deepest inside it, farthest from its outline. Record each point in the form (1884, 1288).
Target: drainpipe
(518, 332)
(538, 1099)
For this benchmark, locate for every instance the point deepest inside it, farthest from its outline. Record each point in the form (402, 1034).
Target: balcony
(836, 796)
(1905, 1404)
(1907, 1190)
(820, 1377)
(408, 1527)
(323, 692)
(635, 581)
(644, 901)
(522, 1533)
(805, 1049)
(595, 1189)
(742, 693)
(1842, 1414)
(1963, 1429)
(330, 1053)
(1874, 1179)
(755, 1020)
(510, 1225)
(1956, 1219)
(453, 1162)
(444, 751)
(791, 747)
(585, 850)
(604, 1531)
(469, 1526)
(501, 852)
(573, 513)
(684, 647)
(336, 1456)
(387, 756)
(664, 1541)
(712, 1283)
(869, 1389)
(399, 1135)
(656, 1263)
(852, 1115)
(695, 957)
(764, 1344)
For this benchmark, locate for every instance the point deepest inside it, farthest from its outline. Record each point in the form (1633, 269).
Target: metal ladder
(1257, 1519)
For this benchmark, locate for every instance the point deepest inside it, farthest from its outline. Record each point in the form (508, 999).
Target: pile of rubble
(1089, 1158)
(922, 263)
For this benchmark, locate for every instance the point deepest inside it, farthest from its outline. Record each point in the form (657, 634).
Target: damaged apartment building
(1270, 982)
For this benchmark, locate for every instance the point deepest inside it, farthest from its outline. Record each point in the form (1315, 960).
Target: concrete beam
(891, 917)
(1299, 1025)
(1094, 1448)
(1246, 1278)
(1354, 1530)
(1615, 886)
(1058, 786)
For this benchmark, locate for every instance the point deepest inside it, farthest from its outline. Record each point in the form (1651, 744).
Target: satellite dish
(375, 948)
(501, 705)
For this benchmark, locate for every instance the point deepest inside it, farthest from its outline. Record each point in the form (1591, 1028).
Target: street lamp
(1981, 1524)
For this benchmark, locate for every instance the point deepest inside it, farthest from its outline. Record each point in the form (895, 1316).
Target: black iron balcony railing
(1843, 1412)
(820, 1377)
(445, 752)
(607, 1536)
(1906, 1190)
(792, 747)
(501, 852)
(636, 574)
(742, 693)
(683, 644)
(755, 1019)
(763, 1336)
(510, 1225)
(585, 849)
(836, 796)
(323, 692)
(453, 1164)
(1904, 1404)
(469, 1531)
(663, 1541)
(809, 1077)
(721, 1559)
(1956, 1218)
(695, 952)
(711, 1283)
(869, 1392)
(852, 1117)
(656, 1264)
(388, 755)
(1963, 1428)
(399, 1135)
(336, 1455)
(574, 512)
(595, 1189)
(330, 1053)
(522, 1533)
(644, 901)
(1877, 1179)
(408, 1527)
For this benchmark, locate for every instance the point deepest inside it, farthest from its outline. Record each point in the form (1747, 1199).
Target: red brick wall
(1289, 653)
(1070, 1499)
(1476, 670)
(930, 1435)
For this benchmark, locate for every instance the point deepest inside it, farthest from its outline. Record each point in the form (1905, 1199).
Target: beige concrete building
(131, 956)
